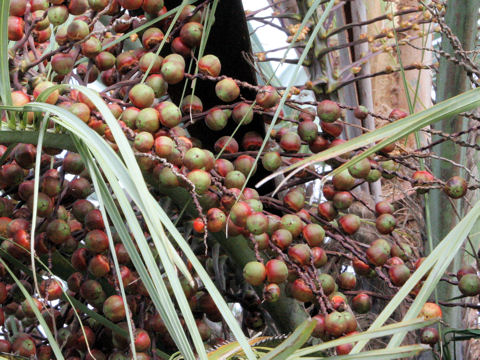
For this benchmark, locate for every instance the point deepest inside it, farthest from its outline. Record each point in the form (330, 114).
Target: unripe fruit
(201, 179)
(271, 293)
(152, 61)
(328, 111)
(99, 266)
(77, 30)
(191, 104)
(327, 282)
(469, 285)
(216, 119)
(158, 84)
(292, 223)
(242, 113)
(209, 65)
(361, 169)
(467, 269)
(277, 271)
(235, 179)
(385, 223)
(141, 96)
(422, 178)
(271, 161)
(343, 181)
(362, 303)
(257, 223)
(314, 234)
(308, 131)
(191, 33)
(239, 213)
(429, 336)
(377, 254)
(403, 251)
(384, 207)
(254, 273)
(114, 309)
(58, 231)
(335, 324)
(41, 87)
(244, 164)
(342, 200)
(456, 187)
(227, 90)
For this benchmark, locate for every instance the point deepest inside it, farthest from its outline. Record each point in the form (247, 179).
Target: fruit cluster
(309, 253)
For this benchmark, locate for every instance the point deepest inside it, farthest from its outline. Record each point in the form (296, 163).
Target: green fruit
(254, 273)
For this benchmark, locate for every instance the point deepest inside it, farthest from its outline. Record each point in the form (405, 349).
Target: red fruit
(290, 142)
(347, 280)
(328, 111)
(399, 274)
(377, 254)
(131, 4)
(384, 207)
(198, 225)
(350, 223)
(362, 303)
(216, 220)
(300, 254)
(84, 335)
(327, 211)
(319, 329)
(314, 234)
(50, 289)
(277, 271)
(319, 257)
(343, 181)
(228, 144)
(18, 8)
(94, 220)
(24, 345)
(422, 178)
(254, 273)
(99, 266)
(360, 267)
(267, 97)
(5, 345)
(25, 155)
(271, 293)
(11, 174)
(301, 291)
(397, 114)
(16, 27)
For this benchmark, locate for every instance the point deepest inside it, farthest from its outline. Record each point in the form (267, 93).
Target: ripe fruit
(430, 311)
(267, 97)
(300, 254)
(399, 274)
(191, 33)
(469, 285)
(277, 271)
(350, 223)
(254, 273)
(301, 291)
(290, 142)
(327, 211)
(294, 199)
(456, 187)
(422, 178)
(319, 257)
(240, 212)
(384, 207)
(347, 280)
(271, 293)
(378, 252)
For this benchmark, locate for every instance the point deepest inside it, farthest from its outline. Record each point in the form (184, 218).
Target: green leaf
(293, 342)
